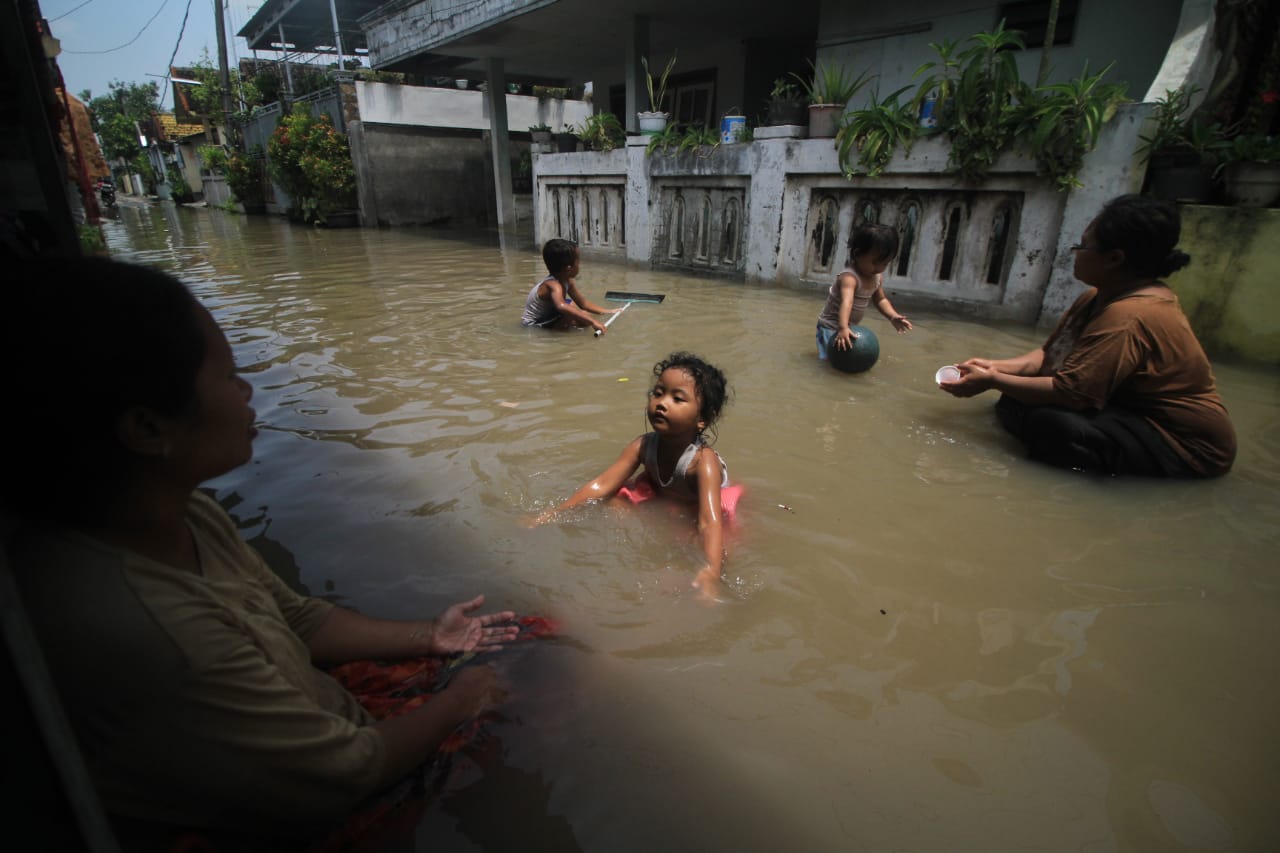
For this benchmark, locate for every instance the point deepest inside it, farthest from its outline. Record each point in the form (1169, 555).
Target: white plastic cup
(947, 373)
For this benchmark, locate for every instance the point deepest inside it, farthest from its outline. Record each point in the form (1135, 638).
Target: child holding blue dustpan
(555, 302)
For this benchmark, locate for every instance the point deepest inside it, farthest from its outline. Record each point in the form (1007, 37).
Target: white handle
(613, 317)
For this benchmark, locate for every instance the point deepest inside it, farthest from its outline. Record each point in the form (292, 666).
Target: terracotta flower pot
(823, 120)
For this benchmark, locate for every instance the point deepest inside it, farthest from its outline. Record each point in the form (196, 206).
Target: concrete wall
(1229, 290)
(418, 176)
(427, 106)
(756, 210)
(893, 39)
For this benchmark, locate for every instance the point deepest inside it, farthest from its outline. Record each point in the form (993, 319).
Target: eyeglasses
(1080, 247)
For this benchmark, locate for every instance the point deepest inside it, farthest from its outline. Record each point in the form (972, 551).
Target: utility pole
(224, 77)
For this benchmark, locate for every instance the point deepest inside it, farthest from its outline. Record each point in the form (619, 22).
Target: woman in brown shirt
(1122, 385)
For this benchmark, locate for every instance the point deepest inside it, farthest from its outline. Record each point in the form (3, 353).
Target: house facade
(780, 208)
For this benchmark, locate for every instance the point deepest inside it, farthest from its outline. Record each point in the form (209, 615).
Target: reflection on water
(933, 644)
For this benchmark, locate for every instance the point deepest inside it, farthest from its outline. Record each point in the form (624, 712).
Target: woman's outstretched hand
(976, 376)
(456, 630)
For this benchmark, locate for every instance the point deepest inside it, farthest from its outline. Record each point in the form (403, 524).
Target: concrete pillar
(641, 216)
(366, 195)
(500, 142)
(764, 219)
(637, 93)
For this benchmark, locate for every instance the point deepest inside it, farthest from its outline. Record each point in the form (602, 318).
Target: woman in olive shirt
(191, 674)
(1122, 386)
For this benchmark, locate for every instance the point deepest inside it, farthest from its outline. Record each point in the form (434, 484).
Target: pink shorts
(640, 490)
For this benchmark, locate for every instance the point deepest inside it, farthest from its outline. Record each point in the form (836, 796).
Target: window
(732, 234)
(704, 229)
(868, 213)
(1032, 17)
(950, 242)
(908, 225)
(824, 235)
(675, 228)
(998, 244)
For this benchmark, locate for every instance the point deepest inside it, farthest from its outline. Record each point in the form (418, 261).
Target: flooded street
(930, 643)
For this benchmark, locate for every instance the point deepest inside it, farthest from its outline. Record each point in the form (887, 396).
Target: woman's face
(1089, 259)
(219, 435)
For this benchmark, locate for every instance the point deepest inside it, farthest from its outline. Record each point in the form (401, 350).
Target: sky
(109, 25)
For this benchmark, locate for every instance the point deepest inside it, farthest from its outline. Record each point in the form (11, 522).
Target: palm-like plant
(833, 84)
(987, 94)
(1065, 120)
(874, 133)
(658, 92)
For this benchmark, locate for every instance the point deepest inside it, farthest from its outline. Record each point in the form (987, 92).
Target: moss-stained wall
(1231, 290)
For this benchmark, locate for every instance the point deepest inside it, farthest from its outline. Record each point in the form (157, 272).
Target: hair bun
(1176, 260)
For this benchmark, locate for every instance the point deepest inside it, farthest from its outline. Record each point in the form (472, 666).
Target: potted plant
(601, 132)
(541, 133)
(1065, 120)
(1182, 157)
(1251, 170)
(566, 140)
(829, 91)
(654, 120)
(874, 133)
(786, 104)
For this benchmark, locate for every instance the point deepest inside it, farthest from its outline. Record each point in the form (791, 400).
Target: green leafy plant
(784, 90)
(544, 92)
(541, 127)
(179, 189)
(1065, 120)
(942, 84)
(244, 177)
(91, 241)
(311, 162)
(986, 112)
(874, 132)
(657, 92)
(832, 83)
(213, 158)
(601, 132)
(1250, 148)
(1168, 123)
(665, 142)
(699, 138)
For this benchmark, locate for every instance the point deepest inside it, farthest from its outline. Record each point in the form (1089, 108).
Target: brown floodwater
(929, 643)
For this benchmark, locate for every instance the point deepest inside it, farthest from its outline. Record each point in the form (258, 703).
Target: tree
(114, 116)
(206, 99)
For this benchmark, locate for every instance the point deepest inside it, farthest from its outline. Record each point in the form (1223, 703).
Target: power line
(64, 14)
(168, 69)
(130, 41)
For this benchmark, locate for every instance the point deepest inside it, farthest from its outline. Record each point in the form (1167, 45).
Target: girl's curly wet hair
(713, 390)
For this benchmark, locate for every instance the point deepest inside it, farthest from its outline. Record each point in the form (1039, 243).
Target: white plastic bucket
(731, 129)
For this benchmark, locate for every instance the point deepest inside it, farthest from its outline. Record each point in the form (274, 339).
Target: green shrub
(311, 162)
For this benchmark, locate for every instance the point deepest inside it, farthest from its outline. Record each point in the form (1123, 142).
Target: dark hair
(708, 380)
(1146, 229)
(872, 237)
(86, 340)
(558, 253)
